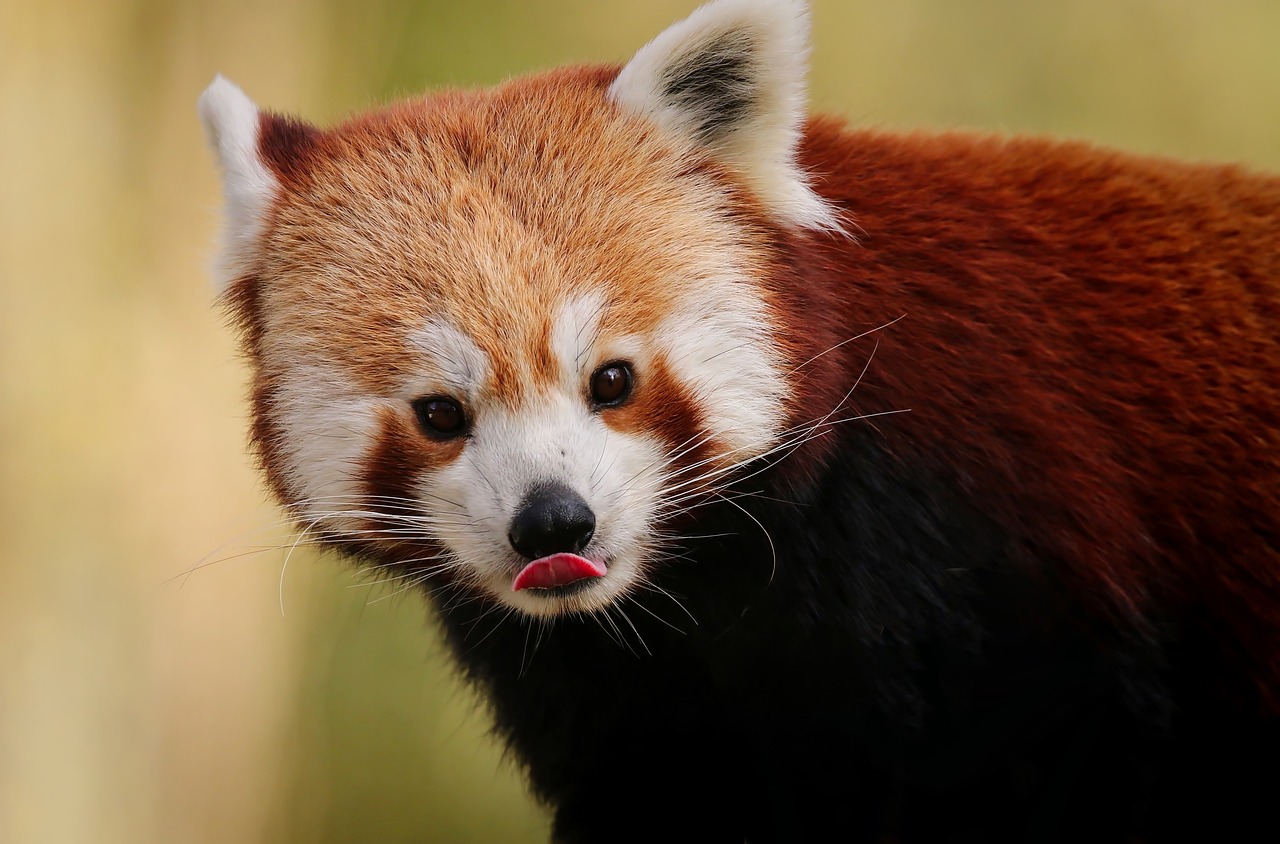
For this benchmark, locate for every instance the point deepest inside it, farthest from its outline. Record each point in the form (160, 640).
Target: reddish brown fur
(1103, 330)
(287, 146)
(401, 454)
(398, 458)
(242, 300)
(661, 404)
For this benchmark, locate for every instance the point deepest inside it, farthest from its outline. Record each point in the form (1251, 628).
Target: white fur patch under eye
(231, 123)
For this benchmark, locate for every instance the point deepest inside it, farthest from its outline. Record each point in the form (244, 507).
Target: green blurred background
(254, 702)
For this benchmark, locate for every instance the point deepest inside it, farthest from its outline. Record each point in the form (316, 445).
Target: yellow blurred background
(254, 702)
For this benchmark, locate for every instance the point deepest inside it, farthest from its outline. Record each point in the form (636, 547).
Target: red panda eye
(611, 384)
(439, 417)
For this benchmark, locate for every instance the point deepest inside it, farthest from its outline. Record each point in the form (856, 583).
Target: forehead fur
(486, 210)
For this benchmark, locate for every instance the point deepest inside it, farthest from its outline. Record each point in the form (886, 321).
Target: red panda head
(499, 337)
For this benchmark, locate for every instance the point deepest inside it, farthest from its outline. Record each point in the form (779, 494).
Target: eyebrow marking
(574, 333)
(461, 364)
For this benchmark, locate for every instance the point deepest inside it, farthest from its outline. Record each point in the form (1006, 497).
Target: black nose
(552, 519)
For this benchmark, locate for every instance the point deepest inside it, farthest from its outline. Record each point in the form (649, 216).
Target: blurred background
(164, 676)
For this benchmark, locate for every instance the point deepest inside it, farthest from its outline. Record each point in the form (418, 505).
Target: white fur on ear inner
(731, 76)
(231, 123)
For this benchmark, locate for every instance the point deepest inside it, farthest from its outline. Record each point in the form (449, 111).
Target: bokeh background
(164, 676)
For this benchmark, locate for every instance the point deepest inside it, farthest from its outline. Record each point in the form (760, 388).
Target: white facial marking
(719, 344)
(455, 364)
(329, 427)
(231, 123)
(574, 335)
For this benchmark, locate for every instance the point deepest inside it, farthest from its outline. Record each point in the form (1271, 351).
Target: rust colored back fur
(1098, 331)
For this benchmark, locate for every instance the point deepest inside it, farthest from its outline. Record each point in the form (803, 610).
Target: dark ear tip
(286, 144)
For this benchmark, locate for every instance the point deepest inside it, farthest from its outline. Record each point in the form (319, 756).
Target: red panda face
(502, 337)
(428, 254)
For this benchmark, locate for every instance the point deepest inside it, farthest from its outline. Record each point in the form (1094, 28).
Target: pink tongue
(556, 570)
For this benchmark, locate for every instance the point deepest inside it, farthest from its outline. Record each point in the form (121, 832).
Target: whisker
(773, 552)
(639, 638)
(654, 615)
(845, 342)
(285, 566)
(653, 587)
(505, 615)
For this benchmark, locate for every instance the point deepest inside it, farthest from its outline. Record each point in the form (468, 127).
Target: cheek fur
(400, 455)
(268, 436)
(662, 407)
(242, 300)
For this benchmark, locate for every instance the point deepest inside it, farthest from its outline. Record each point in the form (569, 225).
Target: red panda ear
(255, 150)
(731, 77)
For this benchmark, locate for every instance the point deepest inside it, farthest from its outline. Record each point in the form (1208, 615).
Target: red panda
(782, 481)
